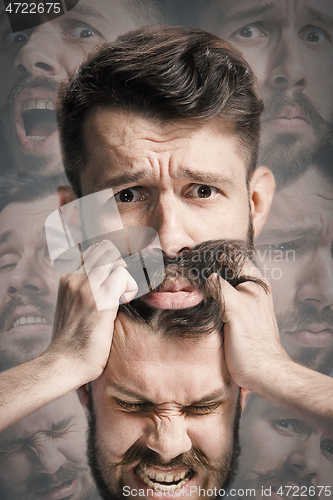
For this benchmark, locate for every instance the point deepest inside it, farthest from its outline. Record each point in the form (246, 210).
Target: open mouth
(39, 119)
(29, 320)
(163, 481)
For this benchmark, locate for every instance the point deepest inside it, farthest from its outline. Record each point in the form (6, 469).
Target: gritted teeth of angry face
(163, 481)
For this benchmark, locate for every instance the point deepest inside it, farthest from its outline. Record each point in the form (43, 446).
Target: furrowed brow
(123, 391)
(202, 177)
(320, 17)
(121, 181)
(214, 396)
(246, 14)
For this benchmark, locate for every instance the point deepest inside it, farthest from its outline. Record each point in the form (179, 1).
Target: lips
(35, 120)
(174, 295)
(64, 490)
(313, 336)
(289, 118)
(27, 318)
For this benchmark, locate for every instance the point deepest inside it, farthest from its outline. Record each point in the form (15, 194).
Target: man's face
(33, 63)
(186, 181)
(294, 252)
(44, 455)
(278, 450)
(29, 284)
(167, 409)
(288, 43)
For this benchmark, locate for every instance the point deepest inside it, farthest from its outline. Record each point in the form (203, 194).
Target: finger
(104, 254)
(119, 284)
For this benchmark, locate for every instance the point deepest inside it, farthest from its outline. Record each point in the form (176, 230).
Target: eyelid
(208, 408)
(74, 23)
(310, 28)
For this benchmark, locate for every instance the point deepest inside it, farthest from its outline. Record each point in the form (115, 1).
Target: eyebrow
(198, 177)
(219, 394)
(244, 14)
(4, 237)
(12, 442)
(84, 10)
(318, 16)
(291, 233)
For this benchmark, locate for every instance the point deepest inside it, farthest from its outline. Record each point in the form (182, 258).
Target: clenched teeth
(38, 104)
(29, 320)
(154, 480)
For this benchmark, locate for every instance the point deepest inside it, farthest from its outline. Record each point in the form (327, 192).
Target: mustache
(224, 257)
(284, 475)
(45, 82)
(43, 307)
(282, 100)
(302, 318)
(145, 457)
(44, 482)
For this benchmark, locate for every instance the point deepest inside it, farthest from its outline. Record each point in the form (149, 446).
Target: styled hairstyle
(27, 188)
(161, 73)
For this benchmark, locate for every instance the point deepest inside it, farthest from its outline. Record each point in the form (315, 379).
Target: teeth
(153, 479)
(38, 104)
(36, 138)
(30, 320)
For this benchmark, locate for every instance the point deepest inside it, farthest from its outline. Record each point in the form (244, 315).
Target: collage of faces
(163, 420)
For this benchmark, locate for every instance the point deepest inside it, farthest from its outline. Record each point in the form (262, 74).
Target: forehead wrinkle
(247, 13)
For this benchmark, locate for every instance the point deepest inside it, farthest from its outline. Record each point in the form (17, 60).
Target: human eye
(129, 195)
(327, 448)
(133, 406)
(81, 31)
(202, 191)
(8, 261)
(16, 38)
(249, 31)
(285, 246)
(286, 426)
(202, 409)
(314, 35)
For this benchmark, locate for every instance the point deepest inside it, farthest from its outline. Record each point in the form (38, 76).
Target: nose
(169, 437)
(316, 286)
(26, 279)
(305, 460)
(172, 226)
(42, 55)
(47, 458)
(287, 70)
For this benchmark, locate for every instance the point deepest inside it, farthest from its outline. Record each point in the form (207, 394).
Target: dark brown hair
(162, 73)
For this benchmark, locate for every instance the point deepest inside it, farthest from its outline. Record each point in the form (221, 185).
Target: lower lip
(173, 300)
(151, 493)
(312, 339)
(30, 329)
(288, 123)
(38, 147)
(60, 492)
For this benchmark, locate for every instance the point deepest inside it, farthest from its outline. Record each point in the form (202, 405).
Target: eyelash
(189, 409)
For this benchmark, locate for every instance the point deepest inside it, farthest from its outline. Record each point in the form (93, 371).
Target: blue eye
(15, 38)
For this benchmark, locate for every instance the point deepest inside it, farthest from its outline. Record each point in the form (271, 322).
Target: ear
(65, 194)
(245, 396)
(261, 188)
(83, 393)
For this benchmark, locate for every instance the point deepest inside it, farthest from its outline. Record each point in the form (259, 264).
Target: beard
(316, 358)
(111, 487)
(24, 348)
(225, 258)
(288, 154)
(281, 476)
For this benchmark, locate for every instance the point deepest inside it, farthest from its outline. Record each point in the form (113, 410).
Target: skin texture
(165, 417)
(165, 169)
(297, 240)
(35, 452)
(274, 439)
(288, 44)
(29, 283)
(50, 53)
